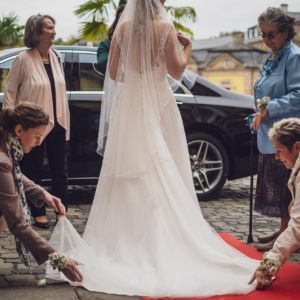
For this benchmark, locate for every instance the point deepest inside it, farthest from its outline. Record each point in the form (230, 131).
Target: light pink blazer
(28, 81)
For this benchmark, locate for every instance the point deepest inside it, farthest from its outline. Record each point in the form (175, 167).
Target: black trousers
(32, 165)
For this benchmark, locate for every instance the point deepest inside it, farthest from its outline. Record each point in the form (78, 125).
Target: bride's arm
(176, 61)
(114, 56)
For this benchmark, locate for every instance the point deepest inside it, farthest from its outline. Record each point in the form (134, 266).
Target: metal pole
(250, 237)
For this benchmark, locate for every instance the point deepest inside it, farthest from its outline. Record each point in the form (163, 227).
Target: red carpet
(285, 287)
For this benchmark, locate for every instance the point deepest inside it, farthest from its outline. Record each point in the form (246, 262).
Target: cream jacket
(289, 241)
(28, 81)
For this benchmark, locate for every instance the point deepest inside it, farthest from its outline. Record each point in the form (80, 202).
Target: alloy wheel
(206, 164)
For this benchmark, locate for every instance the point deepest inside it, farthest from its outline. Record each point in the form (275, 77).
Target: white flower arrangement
(270, 266)
(263, 102)
(42, 283)
(58, 260)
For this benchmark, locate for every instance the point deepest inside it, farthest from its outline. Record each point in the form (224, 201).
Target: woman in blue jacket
(279, 80)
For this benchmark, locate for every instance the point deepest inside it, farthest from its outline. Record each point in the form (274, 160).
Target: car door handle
(179, 103)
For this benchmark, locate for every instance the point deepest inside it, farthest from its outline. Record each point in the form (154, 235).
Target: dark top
(102, 55)
(57, 127)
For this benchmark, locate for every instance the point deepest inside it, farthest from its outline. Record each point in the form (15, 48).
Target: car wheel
(209, 163)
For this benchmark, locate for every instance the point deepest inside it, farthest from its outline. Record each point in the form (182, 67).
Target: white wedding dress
(146, 234)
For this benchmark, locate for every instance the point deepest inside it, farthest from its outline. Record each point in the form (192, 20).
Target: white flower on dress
(42, 283)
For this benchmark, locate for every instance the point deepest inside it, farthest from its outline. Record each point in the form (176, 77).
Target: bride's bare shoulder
(161, 24)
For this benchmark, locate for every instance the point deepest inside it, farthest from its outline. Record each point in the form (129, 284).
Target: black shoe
(42, 225)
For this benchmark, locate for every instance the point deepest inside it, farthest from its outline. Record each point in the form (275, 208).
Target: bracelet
(270, 266)
(263, 102)
(58, 260)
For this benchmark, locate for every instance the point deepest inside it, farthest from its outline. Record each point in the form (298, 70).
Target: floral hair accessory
(58, 260)
(270, 266)
(263, 102)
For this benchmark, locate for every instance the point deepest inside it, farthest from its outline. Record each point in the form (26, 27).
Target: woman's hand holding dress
(264, 281)
(54, 202)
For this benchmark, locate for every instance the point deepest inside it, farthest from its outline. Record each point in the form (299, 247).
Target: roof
(248, 56)
(253, 40)
(236, 46)
(211, 43)
(295, 15)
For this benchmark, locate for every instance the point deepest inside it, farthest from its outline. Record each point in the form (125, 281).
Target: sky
(214, 16)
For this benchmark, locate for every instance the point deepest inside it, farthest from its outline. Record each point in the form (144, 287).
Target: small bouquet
(58, 260)
(270, 266)
(263, 102)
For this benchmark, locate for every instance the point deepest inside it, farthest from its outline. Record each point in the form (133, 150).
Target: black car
(213, 117)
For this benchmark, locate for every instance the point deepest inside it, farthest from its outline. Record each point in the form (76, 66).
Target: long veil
(132, 84)
(146, 234)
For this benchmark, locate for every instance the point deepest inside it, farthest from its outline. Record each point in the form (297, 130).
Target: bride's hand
(54, 202)
(72, 272)
(183, 40)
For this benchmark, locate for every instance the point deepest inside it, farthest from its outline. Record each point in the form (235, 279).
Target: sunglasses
(271, 36)
(37, 16)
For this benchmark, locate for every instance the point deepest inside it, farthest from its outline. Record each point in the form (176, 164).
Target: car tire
(209, 163)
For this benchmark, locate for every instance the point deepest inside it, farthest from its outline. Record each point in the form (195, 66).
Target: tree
(182, 14)
(59, 41)
(97, 9)
(10, 32)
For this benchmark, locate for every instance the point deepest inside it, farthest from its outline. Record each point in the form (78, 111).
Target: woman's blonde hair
(34, 29)
(286, 132)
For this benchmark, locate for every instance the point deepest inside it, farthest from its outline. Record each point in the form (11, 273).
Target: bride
(146, 234)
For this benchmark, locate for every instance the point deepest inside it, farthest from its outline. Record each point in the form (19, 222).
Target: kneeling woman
(21, 129)
(286, 140)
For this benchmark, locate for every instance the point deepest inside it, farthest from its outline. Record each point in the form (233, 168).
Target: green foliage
(10, 32)
(59, 41)
(225, 33)
(94, 31)
(182, 15)
(98, 10)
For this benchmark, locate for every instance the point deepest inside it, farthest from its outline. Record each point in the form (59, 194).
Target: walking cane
(249, 123)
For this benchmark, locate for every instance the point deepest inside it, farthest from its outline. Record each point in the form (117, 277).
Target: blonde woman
(285, 136)
(37, 76)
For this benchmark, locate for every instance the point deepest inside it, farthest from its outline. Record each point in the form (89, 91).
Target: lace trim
(161, 58)
(119, 39)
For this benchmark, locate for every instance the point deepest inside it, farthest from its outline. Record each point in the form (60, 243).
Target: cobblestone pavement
(227, 212)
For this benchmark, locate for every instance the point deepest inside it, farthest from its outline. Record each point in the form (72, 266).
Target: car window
(201, 90)
(4, 69)
(179, 91)
(90, 78)
(6, 65)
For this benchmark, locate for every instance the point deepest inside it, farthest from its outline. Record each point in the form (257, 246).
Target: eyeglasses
(271, 36)
(37, 16)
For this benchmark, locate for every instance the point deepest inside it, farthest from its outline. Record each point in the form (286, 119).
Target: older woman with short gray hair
(37, 76)
(279, 84)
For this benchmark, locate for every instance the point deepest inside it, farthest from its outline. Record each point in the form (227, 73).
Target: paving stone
(58, 292)
(10, 255)
(5, 266)
(86, 295)
(19, 277)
